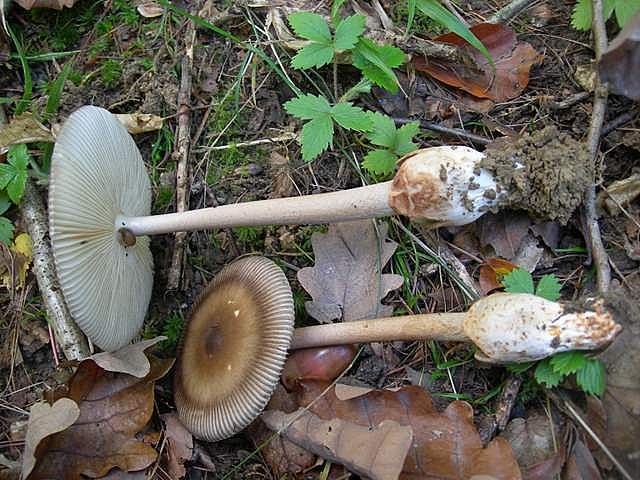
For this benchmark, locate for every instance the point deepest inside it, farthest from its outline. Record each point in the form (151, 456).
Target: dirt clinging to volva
(546, 173)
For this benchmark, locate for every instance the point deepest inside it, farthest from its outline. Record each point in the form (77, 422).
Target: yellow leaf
(22, 250)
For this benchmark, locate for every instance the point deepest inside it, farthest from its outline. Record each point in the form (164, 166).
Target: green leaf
(435, 11)
(625, 10)
(312, 55)
(6, 230)
(404, 137)
(376, 63)
(518, 281)
(383, 132)
(335, 9)
(18, 156)
(15, 189)
(380, 162)
(310, 26)
(546, 375)
(4, 202)
(411, 14)
(350, 117)
(363, 86)
(348, 32)
(549, 288)
(307, 107)
(592, 377)
(316, 137)
(568, 362)
(582, 14)
(7, 173)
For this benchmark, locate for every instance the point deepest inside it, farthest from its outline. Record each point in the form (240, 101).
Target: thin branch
(509, 11)
(181, 154)
(598, 253)
(68, 335)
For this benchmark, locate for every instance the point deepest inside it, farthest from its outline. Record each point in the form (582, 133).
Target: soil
(236, 98)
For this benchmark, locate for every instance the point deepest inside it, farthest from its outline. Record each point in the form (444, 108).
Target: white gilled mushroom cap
(97, 175)
(233, 348)
(519, 327)
(443, 186)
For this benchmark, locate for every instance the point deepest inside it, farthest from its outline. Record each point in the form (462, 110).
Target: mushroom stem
(354, 204)
(506, 327)
(437, 326)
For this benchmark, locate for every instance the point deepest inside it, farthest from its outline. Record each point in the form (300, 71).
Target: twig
(73, 343)
(455, 132)
(619, 121)
(282, 138)
(181, 153)
(598, 253)
(509, 11)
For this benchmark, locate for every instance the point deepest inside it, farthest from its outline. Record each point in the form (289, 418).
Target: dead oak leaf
(179, 445)
(130, 359)
(114, 407)
(347, 280)
(376, 452)
(54, 4)
(445, 445)
(504, 80)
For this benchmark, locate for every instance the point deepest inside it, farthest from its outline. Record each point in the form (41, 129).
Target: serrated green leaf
(317, 135)
(404, 137)
(15, 189)
(307, 107)
(435, 11)
(383, 131)
(350, 117)
(549, 288)
(546, 375)
(380, 162)
(6, 230)
(376, 63)
(312, 55)
(363, 86)
(6, 174)
(348, 32)
(625, 10)
(4, 202)
(310, 26)
(518, 281)
(18, 156)
(568, 362)
(582, 16)
(592, 377)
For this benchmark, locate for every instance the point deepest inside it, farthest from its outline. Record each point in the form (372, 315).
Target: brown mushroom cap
(234, 348)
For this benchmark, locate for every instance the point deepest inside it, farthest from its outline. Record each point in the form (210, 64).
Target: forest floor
(243, 147)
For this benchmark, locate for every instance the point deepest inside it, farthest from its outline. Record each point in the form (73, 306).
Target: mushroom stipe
(236, 340)
(100, 199)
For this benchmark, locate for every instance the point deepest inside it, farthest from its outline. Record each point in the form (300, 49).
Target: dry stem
(181, 153)
(598, 253)
(68, 335)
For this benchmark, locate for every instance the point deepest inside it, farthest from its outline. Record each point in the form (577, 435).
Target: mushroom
(219, 377)
(100, 200)
(233, 348)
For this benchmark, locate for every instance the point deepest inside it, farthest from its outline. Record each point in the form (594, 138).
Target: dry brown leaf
(620, 64)
(45, 420)
(130, 359)
(504, 232)
(347, 280)
(580, 464)
(512, 59)
(376, 452)
(24, 129)
(285, 459)
(179, 447)
(489, 272)
(621, 399)
(445, 445)
(54, 4)
(150, 9)
(140, 122)
(533, 442)
(114, 407)
(620, 193)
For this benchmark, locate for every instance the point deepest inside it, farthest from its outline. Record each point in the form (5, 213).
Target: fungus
(234, 348)
(100, 199)
(236, 340)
